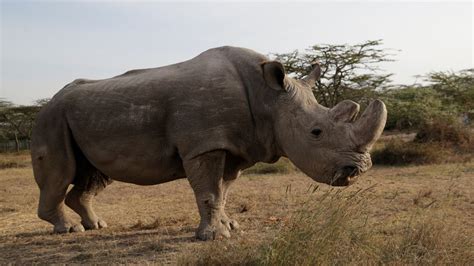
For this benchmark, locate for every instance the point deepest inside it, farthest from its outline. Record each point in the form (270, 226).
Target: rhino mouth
(345, 176)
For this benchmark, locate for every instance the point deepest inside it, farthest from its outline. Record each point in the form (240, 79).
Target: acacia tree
(16, 122)
(41, 102)
(347, 71)
(4, 126)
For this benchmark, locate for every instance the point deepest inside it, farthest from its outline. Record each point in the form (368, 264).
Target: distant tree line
(447, 96)
(16, 122)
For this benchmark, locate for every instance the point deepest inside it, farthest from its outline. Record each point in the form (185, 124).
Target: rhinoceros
(205, 119)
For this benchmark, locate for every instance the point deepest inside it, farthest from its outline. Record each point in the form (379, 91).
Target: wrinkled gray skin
(204, 119)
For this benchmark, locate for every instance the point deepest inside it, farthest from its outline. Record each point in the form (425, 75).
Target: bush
(398, 152)
(443, 139)
(444, 131)
(411, 107)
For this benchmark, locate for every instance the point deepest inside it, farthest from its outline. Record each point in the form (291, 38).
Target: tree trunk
(17, 143)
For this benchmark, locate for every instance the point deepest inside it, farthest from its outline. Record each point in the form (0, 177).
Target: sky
(45, 45)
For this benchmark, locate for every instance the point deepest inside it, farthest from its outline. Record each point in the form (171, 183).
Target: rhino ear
(274, 75)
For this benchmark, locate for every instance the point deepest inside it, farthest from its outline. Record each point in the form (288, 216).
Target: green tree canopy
(455, 88)
(16, 122)
(348, 71)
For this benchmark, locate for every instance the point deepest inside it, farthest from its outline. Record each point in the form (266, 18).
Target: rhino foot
(212, 232)
(93, 225)
(68, 228)
(230, 224)
(219, 228)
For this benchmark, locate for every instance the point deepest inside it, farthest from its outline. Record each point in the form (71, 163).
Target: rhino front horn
(369, 127)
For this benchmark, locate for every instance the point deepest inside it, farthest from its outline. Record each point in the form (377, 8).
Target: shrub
(411, 107)
(398, 152)
(445, 131)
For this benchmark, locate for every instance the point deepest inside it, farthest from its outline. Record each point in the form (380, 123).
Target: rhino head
(329, 145)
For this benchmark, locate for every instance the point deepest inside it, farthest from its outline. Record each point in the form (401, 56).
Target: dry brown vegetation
(437, 142)
(393, 215)
(15, 160)
(444, 131)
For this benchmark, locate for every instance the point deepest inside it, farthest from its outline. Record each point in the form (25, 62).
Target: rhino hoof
(66, 228)
(230, 224)
(212, 233)
(94, 225)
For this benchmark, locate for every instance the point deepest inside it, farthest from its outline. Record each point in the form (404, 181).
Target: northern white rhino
(204, 119)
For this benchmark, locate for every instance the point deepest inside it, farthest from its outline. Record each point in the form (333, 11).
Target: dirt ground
(155, 224)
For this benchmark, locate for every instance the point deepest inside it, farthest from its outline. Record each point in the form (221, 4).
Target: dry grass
(403, 215)
(342, 227)
(15, 160)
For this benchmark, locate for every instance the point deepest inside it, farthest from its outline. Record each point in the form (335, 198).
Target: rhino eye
(316, 132)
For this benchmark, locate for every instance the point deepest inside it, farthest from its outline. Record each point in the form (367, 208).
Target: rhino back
(144, 122)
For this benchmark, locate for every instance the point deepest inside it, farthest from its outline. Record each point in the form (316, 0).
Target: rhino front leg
(206, 176)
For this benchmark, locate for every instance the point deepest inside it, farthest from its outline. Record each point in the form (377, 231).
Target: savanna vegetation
(16, 124)
(414, 207)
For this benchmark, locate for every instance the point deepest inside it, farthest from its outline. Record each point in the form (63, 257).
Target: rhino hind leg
(51, 209)
(206, 174)
(54, 167)
(88, 183)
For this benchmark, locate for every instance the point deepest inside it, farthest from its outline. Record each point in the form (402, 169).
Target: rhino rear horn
(369, 127)
(315, 74)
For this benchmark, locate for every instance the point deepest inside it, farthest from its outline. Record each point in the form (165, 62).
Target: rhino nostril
(350, 170)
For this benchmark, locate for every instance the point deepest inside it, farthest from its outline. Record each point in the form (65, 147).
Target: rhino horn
(369, 127)
(315, 74)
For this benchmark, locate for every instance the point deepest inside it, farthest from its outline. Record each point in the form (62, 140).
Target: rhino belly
(127, 144)
(134, 160)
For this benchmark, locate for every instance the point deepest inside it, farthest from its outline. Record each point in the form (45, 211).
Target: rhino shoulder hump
(81, 81)
(133, 72)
